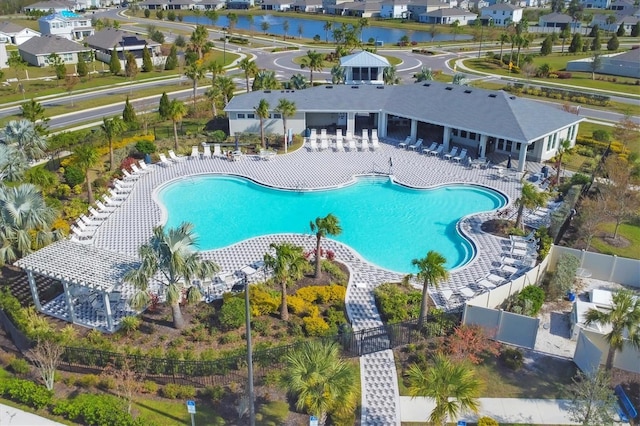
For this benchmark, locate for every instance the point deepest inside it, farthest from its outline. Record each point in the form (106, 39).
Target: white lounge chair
(164, 161)
(416, 146)
(121, 189)
(86, 228)
(375, 143)
(79, 234)
(207, 151)
(339, 146)
(174, 157)
(84, 222)
(136, 170)
(351, 143)
(102, 208)
(462, 156)
(364, 142)
(406, 143)
(217, 152)
(438, 151)
(432, 147)
(323, 133)
(451, 154)
(144, 166)
(531, 236)
(118, 195)
(324, 142)
(111, 202)
(195, 152)
(313, 144)
(98, 215)
(124, 183)
(129, 176)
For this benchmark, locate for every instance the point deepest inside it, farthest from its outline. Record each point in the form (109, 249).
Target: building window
(472, 136)
(240, 115)
(508, 146)
(276, 115)
(463, 134)
(454, 132)
(251, 116)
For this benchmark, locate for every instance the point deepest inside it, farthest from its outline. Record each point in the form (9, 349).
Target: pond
(312, 27)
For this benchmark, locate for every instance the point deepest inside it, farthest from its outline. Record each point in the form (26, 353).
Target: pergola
(94, 294)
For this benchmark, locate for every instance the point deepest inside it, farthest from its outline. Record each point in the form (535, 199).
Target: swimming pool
(386, 223)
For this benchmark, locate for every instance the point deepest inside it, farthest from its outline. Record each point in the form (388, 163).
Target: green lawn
(631, 232)
(174, 413)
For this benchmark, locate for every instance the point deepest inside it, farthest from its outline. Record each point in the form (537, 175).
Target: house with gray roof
(104, 41)
(626, 21)
(36, 51)
(418, 7)
(483, 121)
(307, 5)
(502, 14)
(15, 34)
(49, 6)
(364, 68)
(276, 5)
(558, 20)
(66, 24)
(448, 16)
(621, 64)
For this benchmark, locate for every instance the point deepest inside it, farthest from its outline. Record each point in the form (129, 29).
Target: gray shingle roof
(109, 37)
(556, 17)
(48, 44)
(494, 113)
(10, 28)
(364, 59)
(450, 12)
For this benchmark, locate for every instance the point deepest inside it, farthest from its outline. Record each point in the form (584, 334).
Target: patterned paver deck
(131, 225)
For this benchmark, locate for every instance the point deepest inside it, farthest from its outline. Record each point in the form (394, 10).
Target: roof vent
(427, 84)
(512, 97)
(328, 87)
(493, 95)
(355, 87)
(467, 91)
(267, 91)
(379, 87)
(448, 88)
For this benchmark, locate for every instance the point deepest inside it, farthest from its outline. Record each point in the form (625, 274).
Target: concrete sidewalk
(10, 416)
(503, 410)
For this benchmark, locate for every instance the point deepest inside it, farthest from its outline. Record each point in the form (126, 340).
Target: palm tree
(314, 61)
(327, 27)
(215, 68)
(112, 127)
(624, 319)
(321, 380)
(323, 226)
(298, 82)
(262, 111)
(288, 264)
(25, 134)
(431, 270)
(177, 110)
(530, 198)
(453, 386)
(226, 86)
(199, 39)
(287, 109)
(265, 80)
(25, 222)
(389, 76)
(338, 74)
(563, 148)
(285, 29)
(194, 72)
(250, 70)
(425, 74)
(213, 94)
(504, 38)
(169, 260)
(13, 163)
(86, 157)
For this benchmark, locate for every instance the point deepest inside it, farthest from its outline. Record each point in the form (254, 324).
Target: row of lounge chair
(342, 143)
(435, 149)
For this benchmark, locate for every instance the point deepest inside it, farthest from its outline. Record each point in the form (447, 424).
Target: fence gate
(371, 341)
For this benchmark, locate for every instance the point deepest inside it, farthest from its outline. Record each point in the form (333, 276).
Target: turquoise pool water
(387, 224)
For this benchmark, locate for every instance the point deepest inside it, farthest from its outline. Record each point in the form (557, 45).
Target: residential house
(448, 17)
(104, 41)
(364, 68)
(596, 4)
(36, 51)
(502, 14)
(361, 9)
(627, 21)
(558, 20)
(277, 5)
(15, 34)
(398, 9)
(621, 64)
(50, 6)
(212, 4)
(179, 5)
(624, 7)
(153, 4)
(3, 56)
(66, 24)
(311, 6)
(418, 7)
(240, 4)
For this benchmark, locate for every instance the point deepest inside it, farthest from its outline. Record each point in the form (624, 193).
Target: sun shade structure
(93, 292)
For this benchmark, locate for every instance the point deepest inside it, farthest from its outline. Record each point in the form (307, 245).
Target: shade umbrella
(509, 163)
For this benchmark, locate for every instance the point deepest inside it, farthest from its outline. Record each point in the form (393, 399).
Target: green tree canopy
(114, 64)
(147, 63)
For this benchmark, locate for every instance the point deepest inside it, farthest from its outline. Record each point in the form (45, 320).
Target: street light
(224, 51)
(252, 411)
(482, 34)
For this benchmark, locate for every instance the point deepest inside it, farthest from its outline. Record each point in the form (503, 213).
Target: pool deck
(131, 225)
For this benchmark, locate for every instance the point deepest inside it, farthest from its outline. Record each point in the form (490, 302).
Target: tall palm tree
(298, 82)
(390, 76)
(287, 109)
(194, 71)
(323, 226)
(504, 38)
(265, 80)
(314, 61)
(213, 95)
(530, 198)
(168, 262)
(227, 87)
(112, 127)
(215, 68)
(25, 134)
(285, 29)
(327, 27)
(431, 270)
(453, 386)
(177, 110)
(563, 148)
(262, 112)
(13, 163)
(338, 74)
(250, 69)
(288, 264)
(86, 156)
(624, 319)
(199, 39)
(321, 380)
(25, 222)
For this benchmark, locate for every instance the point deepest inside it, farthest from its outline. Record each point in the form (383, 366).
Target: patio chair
(118, 195)
(432, 147)
(85, 223)
(339, 146)
(112, 202)
(416, 146)
(364, 142)
(136, 170)
(406, 143)
(195, 152)
(121, 189)
(375, 143)
(351, 143)
(217, 152)
(174, 157)
(451, 154)
(313, 144)
(80, 235)
(129, 176)
(438, 151)
(531, 236)
(98, 215)
(462, 156)
(207, 151)
(124, 183)
(164, 161)
(324, 142)
(323, 133)
(144, 166)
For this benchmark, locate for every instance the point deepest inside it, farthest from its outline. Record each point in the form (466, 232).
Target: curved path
(131, 224)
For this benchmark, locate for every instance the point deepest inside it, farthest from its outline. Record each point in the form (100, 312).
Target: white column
(34, 290)
(107, 311)
(414, 129)
(446, 137)
(351, 123)
(482, 152)
(382, 124)
(522, 157)
(68, 300)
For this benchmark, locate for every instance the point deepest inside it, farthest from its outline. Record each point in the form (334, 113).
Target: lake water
(312, 27)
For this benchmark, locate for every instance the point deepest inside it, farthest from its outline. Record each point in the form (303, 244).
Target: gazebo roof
(364, 59)
(79, 264)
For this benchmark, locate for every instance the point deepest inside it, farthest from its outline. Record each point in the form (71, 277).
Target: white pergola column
(351, 123)
(482, 152)
(34, 290)
(522, 157)
(107, 310)
(414, 130)
(382, 124)
(446, 137)
(68, 301)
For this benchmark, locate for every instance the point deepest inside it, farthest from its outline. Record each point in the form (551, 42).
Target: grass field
(174, 413)
(631, 232)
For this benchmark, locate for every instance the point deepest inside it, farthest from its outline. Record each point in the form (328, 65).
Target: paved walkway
(10, 416)
(503, 410)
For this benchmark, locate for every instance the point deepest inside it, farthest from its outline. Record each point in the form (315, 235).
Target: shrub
(487, 421)
(19, 366)
(129, 324)
(512, 358)
(174, 391)
(231, 314)
(26, 392)
(273, 413)
(601, 135)
(530, 300)
(218, 136)
(150, 387)
(545, 242)
(229, 338)
(562, 280)
(88, 380)
(73, 175)
(315, 326)
(297, 304)
(146, 147)
(107, 383)
(396, 305)
(96, 410)
(215, 393)
(263, 301)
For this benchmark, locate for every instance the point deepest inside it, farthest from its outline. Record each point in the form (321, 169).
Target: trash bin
(545, 171)
(147, 158)
(571, 296)
(307, 132)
